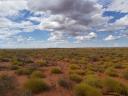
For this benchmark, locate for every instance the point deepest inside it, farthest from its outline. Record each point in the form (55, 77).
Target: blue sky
(48, 24)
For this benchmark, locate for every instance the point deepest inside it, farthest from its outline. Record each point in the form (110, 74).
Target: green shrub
(111, 72)
(74, 66)
(93, 81)
(64, 83)
(80, 72)
(42, 63)
(111, 85)
(118, 66)
(24, 71)
(125, 74)
(84, 89)
(37, 74)
(14, 67)
(72, 71)
(99, 68)
(16, 62)
(56, 70)
(89, 72)
(75, 77)
(7, 83)
(36, 85)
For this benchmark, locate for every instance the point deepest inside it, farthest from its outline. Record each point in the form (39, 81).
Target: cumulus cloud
(111, 37)
(122, 21)
(72, 17)
(118, 5)
(119, 24)
(57, 36)
(63, 19)
(86, 37)
(12, 7)
(9, 28)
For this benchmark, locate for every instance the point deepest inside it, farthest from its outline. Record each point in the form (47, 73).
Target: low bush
(36, 85)
(16, 62)
(37, 74)
(118, 66)
(24, 71)
(84, 89)
(125, 74)
(74, 66)
(75, 77)
(89, 72)
(111, 72)
(56, 70)
(14, 67)
(7, 83)
(93, 81)
(80, 72)
(111, 85)
(42, 63)
(64, 83)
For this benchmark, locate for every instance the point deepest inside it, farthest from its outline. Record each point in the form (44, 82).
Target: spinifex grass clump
(93, 81)
(119, 66)
(114, 86)
(16, 62)
(42, 63)
(74, 66)
(64, 83)
(125, 74)
(76, 78)
(24, 71)
(7, 84)
(112, 72)
(37, 74)
(36, 85)
(84, 89)
(56, 70)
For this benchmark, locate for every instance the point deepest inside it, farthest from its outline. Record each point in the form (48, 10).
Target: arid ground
(64, 72)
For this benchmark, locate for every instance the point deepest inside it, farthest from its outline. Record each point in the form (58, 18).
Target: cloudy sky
(63, 23)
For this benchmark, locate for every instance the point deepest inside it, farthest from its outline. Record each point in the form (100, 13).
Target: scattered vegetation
(64, 83)
(36, 85)
(125, 74)
(112, 72)
(114, 86)
(24, 71)
(81, 72)
(84, 89)
(93, 81)
(37, 74)
(56, 70)
(75, 77)
(7, 83)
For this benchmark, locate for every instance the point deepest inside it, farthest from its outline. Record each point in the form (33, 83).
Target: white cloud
(122, 21)
(56, 36)
(12, 7)
(10, 28)
(36, 19)
(111, 37)
(118, 5)
(72, 18)
(86, 37)
(78, 19)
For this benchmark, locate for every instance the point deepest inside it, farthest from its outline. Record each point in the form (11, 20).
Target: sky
(63, 23)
